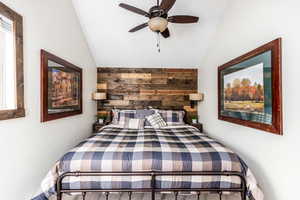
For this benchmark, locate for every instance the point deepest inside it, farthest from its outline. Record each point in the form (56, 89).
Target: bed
(170, 159)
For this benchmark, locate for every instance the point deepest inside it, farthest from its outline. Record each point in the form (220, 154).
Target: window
(7, 66)
(11, 64)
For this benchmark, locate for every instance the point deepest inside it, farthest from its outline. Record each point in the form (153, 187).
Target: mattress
(170, 149)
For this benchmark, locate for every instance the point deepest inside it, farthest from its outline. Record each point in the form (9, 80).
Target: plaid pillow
(156, 121)
(123, 114)
(134, 123)
(142, 114)
(172, 117)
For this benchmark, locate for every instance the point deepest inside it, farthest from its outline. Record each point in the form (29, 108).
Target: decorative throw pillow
(134, 123)
(156, 121)
(172, 117)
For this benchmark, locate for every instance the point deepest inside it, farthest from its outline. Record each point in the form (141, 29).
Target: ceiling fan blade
(134, 9)
(183, 19)
(167, 4)
(166, 33)
(139, 27)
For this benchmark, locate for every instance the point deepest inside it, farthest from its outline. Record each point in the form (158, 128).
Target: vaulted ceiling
(106, 26)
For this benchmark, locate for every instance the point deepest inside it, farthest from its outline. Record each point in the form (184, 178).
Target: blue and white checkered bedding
(181, 148)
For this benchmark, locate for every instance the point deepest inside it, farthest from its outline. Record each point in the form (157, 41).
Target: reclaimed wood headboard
(138, 88)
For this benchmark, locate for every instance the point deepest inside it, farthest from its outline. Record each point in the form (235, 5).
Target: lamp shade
(158, 24)
(99, 96)
(196, 97)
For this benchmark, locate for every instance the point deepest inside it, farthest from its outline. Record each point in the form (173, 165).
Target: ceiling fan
(158, 17)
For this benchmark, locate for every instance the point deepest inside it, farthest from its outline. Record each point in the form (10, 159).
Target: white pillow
(115, 116)
(156, 121)
(134, 123)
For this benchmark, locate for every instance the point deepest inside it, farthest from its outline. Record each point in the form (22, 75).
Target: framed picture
(250, 89)
(61, 88)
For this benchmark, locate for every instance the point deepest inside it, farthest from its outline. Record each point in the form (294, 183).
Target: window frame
(18, 43)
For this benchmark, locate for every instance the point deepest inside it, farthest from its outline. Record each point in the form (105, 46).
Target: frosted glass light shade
(196, 97)
(99, 96)
(158, 24)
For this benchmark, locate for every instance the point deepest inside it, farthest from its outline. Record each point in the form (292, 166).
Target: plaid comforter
(169, 149)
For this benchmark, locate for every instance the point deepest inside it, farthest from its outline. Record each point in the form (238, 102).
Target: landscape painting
(244, 90)
(249, 89)
(63, 90)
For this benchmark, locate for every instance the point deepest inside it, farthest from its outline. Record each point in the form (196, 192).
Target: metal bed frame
(153, 189)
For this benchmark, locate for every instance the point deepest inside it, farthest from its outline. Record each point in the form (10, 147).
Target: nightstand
(198, 126)
(97, 127)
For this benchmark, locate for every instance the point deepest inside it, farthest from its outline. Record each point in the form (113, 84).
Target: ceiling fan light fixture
(158, 24)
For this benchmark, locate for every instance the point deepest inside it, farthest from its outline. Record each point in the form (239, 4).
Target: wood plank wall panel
(138, 88)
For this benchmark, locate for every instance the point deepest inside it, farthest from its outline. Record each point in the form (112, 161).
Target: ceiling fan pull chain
(158, 42)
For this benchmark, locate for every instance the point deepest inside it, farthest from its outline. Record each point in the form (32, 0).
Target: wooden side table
(198, 126)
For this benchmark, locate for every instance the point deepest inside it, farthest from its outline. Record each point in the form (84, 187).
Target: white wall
(28, 149)
(246, 25)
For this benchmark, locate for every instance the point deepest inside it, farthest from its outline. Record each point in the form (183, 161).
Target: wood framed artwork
(249, 89)
(61, 88)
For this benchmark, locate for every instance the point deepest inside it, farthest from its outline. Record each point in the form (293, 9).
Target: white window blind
(7, 65)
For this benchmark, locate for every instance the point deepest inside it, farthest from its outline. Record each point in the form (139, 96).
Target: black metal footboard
(153, 189)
